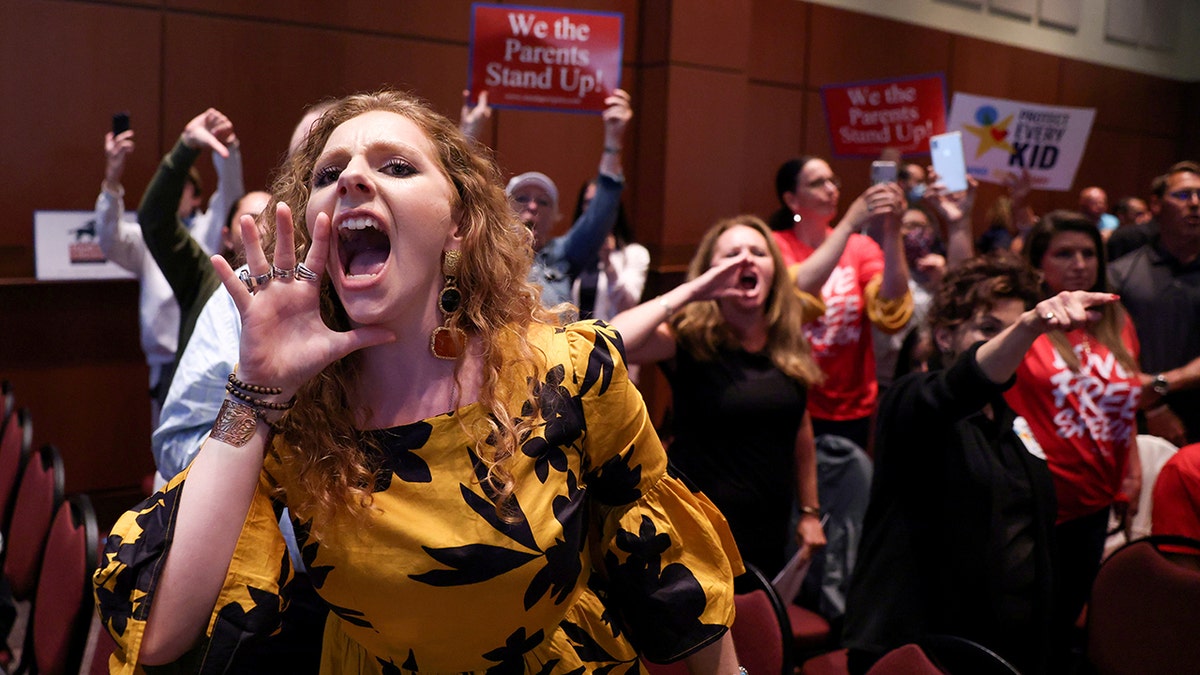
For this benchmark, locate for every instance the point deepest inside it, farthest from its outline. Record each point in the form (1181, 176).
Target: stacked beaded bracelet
(243, 391)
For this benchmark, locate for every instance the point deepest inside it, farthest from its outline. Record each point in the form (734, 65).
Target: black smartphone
(120, 123)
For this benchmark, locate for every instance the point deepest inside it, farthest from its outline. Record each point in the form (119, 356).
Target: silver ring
(1048, 316)
(255, 281)
(303, 273)
(281, 273)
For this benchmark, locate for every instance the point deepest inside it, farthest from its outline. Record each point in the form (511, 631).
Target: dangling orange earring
(448, 342)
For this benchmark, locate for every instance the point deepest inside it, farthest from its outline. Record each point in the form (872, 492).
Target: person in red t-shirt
(857, 280)
(1078, 392)
(1177, 502)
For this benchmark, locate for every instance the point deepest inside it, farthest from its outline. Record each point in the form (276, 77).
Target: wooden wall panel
(70, 350)
(718, 36)
(651, 160)
(849, 47)
(1123, 100)
(774, 134)
(704, 153)
(262, 76)
(437, 19)
(69, 67)
(990, 69)
(779, 41)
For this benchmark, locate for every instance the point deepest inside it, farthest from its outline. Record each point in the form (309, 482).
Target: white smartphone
(883, 172)
(947, 153)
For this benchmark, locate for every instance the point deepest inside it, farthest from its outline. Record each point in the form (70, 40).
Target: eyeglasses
(820, 182)
(1184, 195)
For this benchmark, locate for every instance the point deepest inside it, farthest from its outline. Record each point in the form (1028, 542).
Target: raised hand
(1069, 310)
(211, 129)
(616, 116)
(284, 341)
(953, 207)
(720, 280)
(471, 119)
(879, 203)
(116, 149)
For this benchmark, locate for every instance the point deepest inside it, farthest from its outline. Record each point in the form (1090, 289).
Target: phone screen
(120, 123)
(947, 153)
(883, 172)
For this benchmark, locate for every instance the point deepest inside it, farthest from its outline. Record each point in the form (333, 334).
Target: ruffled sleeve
(247, 607)
(670, 600)
(889, 315)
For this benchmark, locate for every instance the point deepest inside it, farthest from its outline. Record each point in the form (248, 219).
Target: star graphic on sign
(991, 134)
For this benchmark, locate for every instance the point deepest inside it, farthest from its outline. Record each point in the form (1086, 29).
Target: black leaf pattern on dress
(548, 667)
(615, 482)
(510, 659)
(597, 584)
(351, 616)
(410, 663)
(388, 668)
(545, 456)
(583, 643)
(308, 552)
(398, 457)
(600, 365)
(112, 608)
(563, 565)
(138, 562)
(660, 609)
(518, 530)
(260, 618)
(471, 564)
(562, 413)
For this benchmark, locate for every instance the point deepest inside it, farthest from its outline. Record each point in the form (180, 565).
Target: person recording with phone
(123, 242)
(859, 282)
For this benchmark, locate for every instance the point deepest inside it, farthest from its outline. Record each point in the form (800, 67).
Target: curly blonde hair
(702, 330)
(334, 471)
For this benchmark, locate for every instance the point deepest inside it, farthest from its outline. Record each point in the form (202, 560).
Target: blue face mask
(915, 193)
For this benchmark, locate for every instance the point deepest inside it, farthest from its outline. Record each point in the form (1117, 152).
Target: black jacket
(931, 558)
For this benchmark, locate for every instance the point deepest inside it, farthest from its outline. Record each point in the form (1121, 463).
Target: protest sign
(866, 118)
(1002, 136)
(540, 57)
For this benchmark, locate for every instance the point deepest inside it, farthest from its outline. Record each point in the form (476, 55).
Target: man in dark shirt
(1159, 284)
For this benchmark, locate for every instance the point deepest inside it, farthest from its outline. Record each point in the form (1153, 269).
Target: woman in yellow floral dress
(473, 487)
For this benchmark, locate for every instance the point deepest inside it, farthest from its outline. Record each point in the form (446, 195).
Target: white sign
(65, 247)
(1002, 137)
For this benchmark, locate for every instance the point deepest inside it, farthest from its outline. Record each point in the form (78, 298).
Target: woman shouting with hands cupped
(729, 340)
(472, 486)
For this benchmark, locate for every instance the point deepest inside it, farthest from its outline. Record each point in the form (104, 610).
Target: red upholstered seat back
(1144, 611)
(16, 438)
(38, 494)
(62, 608)
(757, 635)
(907, 659)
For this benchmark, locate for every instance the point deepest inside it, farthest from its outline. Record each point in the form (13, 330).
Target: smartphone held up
(120, 123)
(946, 150)
(883, 171)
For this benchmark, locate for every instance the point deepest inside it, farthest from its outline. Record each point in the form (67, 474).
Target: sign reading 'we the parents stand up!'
(546, 58)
